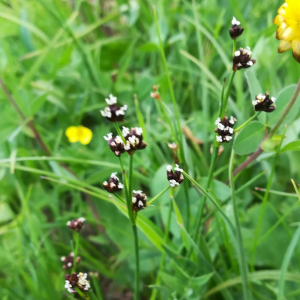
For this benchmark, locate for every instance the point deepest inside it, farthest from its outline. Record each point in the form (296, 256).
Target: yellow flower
(288, 22)
(80, 133)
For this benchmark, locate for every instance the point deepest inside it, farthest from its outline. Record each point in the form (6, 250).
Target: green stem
(242, 259)
(119, 132)
(158, 195)
(130, 177)
(137, 264)
(76, 240)
(247, 122)
(226, 95)
(233, 48)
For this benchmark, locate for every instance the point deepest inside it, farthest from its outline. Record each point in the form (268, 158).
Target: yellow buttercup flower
(288, 22)
(79, 134)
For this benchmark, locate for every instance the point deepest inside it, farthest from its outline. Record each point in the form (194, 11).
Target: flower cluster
(235, 31)
(113, 185)
(264, 103)
(69, 260)
(77, 281)
(79, 134)
(225, 129)
(175, 177)
(242, 59)
(76, 224)
(139, 200)
(113, 113)
(134, 139)
(115, 144)
(288, 31)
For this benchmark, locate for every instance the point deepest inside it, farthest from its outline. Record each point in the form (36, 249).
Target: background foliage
(57, 59)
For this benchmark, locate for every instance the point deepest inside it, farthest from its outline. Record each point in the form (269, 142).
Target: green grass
(57, 61)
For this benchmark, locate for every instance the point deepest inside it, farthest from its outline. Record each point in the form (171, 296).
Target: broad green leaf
(293, 146)
(221, 190)
(249, 138)
(281, 102)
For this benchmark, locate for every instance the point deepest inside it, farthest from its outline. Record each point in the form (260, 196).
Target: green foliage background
(57, 59)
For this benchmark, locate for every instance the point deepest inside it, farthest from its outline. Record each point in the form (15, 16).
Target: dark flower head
(139, 200)
(113, 113)
(242, 59)
(76, 224)
(235, 31)
(225, 129)
(175, 178)
(69, 260)
(115, 144)
(134, 139)
(264, 103)
(77, 281)
(113, 185)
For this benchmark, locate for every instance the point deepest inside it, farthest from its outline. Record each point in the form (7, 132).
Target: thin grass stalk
(137, 264)
(226, 95)
(242, 258)
(247, 122)
(76, 241)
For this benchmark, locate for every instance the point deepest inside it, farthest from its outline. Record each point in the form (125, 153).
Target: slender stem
(242, 259)
(226, 95)
(76, 241)
(158, 195)
(247, 122)
(234, 47)
(119, 132)
(137, 264)
(130, 177)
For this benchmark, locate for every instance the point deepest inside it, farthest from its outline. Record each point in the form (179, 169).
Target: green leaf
(172, 282)
(293, 146)
(221, 190)
(249, 138)
(281, 102)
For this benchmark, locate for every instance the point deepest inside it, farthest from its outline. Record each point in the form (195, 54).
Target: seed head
(225, 129)
(76, 224)
(242, 59)
(113, 185)
(113, 113)
(69, 260)
(264, 103)
(175, 177)
(77, 281)
(139, 200)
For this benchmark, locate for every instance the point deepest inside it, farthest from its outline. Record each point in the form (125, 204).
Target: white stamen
(169, 168)
(69, 264)
(133, 199)
(228, 138)
(140, 204)
(219, 138)
(127, 146)
(237, 53)
(255, 102)
(177, 168)
(125, 131)
(138, 130)
(173, 183)
(63, 258)
(111, 100)
(232, 121)
(273, 99)
(113, 175)
(235, 21)
(81, 220)
(218, 121)
(250, 63)
(120, 185)
(120, 112)
(118, 140)
(109, 137)
(221, 126)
